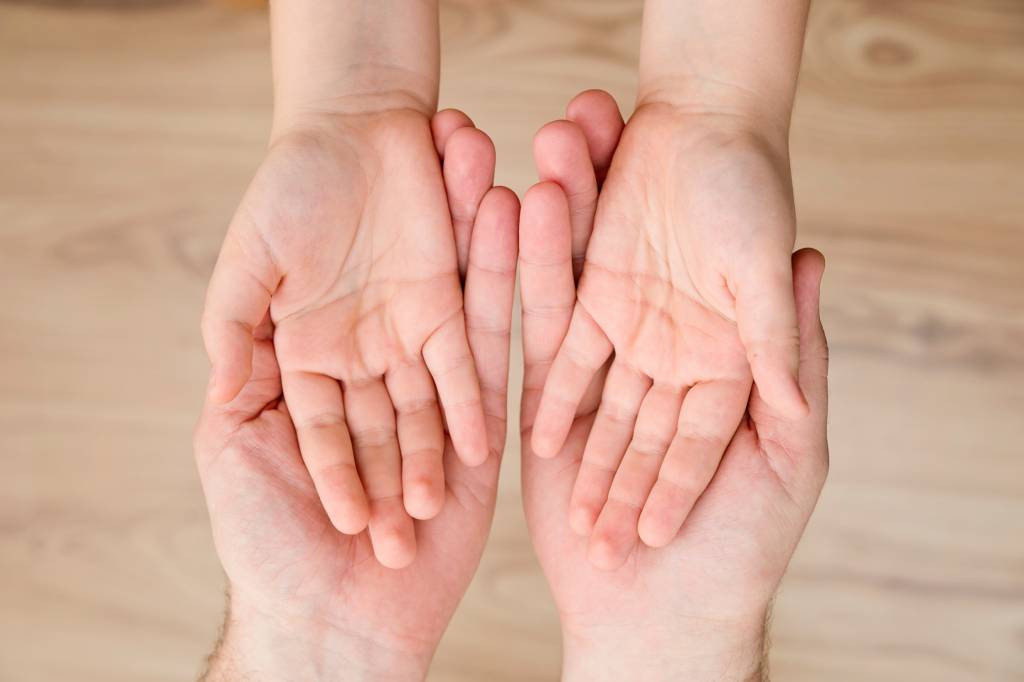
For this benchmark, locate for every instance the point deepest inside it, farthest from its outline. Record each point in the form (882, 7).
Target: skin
(686, 200)
(685, 281)
(344, 243)
(696, 608)
(309, 602)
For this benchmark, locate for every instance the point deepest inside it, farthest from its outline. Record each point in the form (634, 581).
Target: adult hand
(687, 280)
(308, 602)
(696, 608)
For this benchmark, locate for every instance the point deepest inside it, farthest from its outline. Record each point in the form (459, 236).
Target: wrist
(727, 108)
(695, 650)
(353, 99)
(354, 57)
(257, 645)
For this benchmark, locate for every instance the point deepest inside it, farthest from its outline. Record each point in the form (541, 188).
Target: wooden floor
(128, 131)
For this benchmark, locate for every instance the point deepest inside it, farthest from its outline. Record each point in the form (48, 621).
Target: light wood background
(128, 131)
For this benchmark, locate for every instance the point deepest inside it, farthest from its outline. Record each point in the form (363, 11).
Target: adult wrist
(259, 646)
(694, 651)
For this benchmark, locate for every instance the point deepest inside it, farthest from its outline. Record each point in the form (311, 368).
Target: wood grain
(129, 130)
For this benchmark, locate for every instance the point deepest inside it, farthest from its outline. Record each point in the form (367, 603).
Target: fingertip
(652, 533)
(545, 208)
(351, 518)
(783, 393)
(471, 447)
(473, 457)
(561, 153)
(444, 123)
(597, 114)
(501, 200)
(544, 444)
(393, 550)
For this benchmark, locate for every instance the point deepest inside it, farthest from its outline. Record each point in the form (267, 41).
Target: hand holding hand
(687, 280)
(344, 244)
(696, 608)
(308, 602)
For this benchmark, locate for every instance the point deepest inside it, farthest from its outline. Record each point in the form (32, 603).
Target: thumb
(237, 301)
(767, 319)
(808, 268)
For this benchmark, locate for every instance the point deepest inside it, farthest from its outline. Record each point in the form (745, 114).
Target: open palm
(345, 238)
(720, 571)
(680, 211)
(282, 554)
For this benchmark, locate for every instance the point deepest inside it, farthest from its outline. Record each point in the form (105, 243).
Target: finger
(468, 174)
(615, 533)
(766, 318)
(318, 413)
(444, 123)
(583, 352)
(488, 298)
(561, 154)
(597, 115)
(624, 391)
(261, 391)
(808, 268)
(546, 288)
(451, 365)
(371, 418)
(420, 438)
(237, 300)
(710, 415)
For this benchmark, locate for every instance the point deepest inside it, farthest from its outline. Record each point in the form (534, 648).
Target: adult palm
(345, 238)
(284, 558)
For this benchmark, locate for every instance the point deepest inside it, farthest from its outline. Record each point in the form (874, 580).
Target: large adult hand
(345, 240)
(696, 608)
(308, 602)
(687, 280)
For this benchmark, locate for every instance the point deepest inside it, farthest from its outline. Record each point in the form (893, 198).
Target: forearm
(738, 58)
(699, 653)
(255, 646)
(348, 56)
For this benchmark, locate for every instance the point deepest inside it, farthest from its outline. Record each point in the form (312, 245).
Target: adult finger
(597, 115)
(546, 287)
(468, 175)
(488, 298)
(561, 154)
(444, 123)
(766, 318)
(237, 300)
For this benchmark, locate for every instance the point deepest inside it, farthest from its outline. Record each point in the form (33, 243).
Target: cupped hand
(291, 573)
(344, 241)
(694, 609)
(685, 286)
